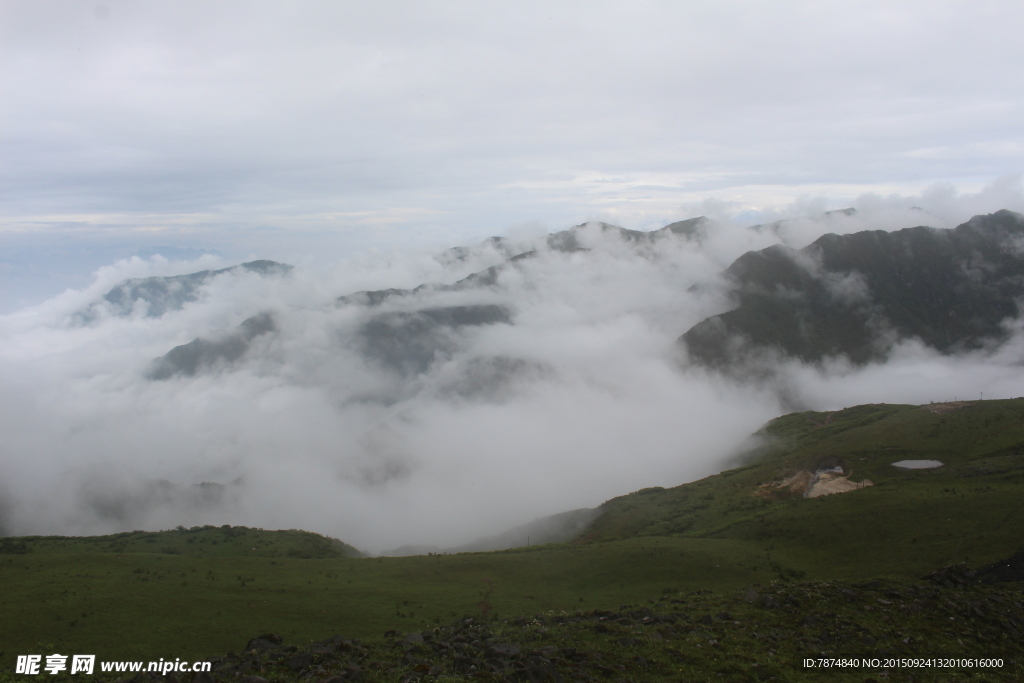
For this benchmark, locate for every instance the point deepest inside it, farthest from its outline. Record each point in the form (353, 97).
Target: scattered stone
(267, 641)
(300, 661)
(953, 576)
(502, 650)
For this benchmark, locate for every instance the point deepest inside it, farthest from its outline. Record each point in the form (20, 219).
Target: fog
(576, 392)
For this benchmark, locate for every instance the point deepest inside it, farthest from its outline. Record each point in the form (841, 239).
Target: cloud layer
(553, 387)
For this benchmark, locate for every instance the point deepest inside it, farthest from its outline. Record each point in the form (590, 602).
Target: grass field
(206, 591)
(143, 605)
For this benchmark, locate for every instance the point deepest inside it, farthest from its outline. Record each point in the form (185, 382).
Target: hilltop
(197, 541)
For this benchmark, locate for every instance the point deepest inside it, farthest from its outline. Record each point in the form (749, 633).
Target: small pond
(917, 464)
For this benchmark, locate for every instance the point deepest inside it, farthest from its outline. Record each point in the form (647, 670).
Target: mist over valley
(441, 398)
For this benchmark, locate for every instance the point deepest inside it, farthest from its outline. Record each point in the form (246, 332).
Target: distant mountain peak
(161, 295)
(856, 295)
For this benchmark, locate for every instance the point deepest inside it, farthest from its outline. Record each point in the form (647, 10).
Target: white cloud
(582, 400)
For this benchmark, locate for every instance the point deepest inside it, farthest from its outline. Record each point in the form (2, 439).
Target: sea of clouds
(584, 396)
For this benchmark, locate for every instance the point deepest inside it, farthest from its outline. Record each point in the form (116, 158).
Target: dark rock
(953, 576)
(300, 661)
(253, 679)
(268, 641)
(202, 677)
(542, 673)
(751, 595)
(414, 637)
(724, 616)
(502, 650)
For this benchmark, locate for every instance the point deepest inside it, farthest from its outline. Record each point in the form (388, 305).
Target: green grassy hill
(206, 591)
(199, 541)
(908, 522)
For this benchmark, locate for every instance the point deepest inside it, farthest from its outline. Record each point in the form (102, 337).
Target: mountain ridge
(856, 295)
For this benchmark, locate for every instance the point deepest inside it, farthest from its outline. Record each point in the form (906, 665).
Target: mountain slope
(855, 295)
(890, 520)
(205, 354)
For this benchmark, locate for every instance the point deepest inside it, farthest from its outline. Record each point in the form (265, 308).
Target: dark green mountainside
(855, 295)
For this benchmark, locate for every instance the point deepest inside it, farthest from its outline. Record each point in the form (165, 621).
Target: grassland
(151, 595)
(908, 522)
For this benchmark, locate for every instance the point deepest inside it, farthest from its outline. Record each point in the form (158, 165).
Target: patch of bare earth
(813, 485)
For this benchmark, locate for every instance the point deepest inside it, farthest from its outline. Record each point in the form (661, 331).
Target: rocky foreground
(763, 634)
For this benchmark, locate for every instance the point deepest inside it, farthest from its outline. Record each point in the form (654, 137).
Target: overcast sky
(318, 130)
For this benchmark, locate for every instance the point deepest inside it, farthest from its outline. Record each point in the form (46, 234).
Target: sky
(312, 132)
(357, 142)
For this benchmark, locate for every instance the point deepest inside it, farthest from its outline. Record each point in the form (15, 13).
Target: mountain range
(852, 296)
